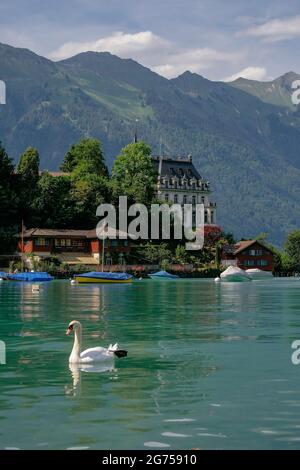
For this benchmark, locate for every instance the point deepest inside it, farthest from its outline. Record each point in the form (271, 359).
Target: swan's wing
(92, 352)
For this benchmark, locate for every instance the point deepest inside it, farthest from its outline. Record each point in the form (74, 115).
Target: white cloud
(158, 53)
(275, 30)
(251, 73)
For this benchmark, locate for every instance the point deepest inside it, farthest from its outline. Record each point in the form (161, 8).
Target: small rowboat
(101, 277)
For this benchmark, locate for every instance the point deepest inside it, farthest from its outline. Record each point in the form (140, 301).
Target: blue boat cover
(164, 274)
(30, 277)
(106, 276)
(3, 274)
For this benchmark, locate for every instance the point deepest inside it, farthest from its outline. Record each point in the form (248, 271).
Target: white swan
(90, 355)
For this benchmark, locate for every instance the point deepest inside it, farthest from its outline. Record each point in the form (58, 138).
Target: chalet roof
(46, 232)
(241, 246)
(180, 167)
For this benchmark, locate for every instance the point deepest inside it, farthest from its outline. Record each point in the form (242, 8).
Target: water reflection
(77, 370)
(205, 361)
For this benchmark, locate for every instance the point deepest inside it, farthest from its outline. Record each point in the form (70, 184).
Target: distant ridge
(244, 136)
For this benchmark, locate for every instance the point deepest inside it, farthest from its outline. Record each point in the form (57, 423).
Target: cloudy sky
(219, 39)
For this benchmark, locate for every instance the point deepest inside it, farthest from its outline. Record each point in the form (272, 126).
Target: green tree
(28, 166)
(88, 191)
(134, 175)
(292, 248)
(8, 197)
(27, 177)
(54, 208)
(85, 157)
(155, 253)
(180, 255)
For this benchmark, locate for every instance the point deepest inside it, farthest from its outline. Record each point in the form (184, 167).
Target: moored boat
(103, 277)
(163, 275)
(30, 277)
(234, 274)
(256, 273)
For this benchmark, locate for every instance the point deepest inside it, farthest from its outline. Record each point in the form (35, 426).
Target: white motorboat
(256, 273)
(234, 274)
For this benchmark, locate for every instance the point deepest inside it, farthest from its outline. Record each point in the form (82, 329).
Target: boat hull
(257, 274)
(161, 278)
(90, 280)
(234, 278)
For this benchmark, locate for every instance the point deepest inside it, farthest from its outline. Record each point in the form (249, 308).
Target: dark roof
(46, 232)
(180, 166)
(243, 245)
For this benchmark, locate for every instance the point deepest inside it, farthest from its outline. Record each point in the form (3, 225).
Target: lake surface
(209, 366)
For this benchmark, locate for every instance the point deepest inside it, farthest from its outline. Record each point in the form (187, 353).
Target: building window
(194, 200)
(212, 216)
(255, 252)
(167, 197)
(202, 199)
(194, 185)
(194, 219)
(166, 183)
(184, 199)
(249, 262)
(175, 184)
(262, 262)
(41, 241)
(114, 243)
(205, 217)
(68, 242)
(175, 198)
(77, 243)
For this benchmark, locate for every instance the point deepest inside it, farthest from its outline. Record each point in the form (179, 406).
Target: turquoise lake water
(209, 366)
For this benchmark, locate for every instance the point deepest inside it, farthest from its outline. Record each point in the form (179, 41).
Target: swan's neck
(75, 354)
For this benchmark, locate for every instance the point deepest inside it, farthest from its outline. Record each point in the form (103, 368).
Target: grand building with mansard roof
(179, 182)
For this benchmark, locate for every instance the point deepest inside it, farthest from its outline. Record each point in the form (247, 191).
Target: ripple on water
(174, 434)
(78, 448)
(179, 420)
(156, 444)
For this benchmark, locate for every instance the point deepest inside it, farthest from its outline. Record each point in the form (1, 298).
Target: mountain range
(244, 136)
